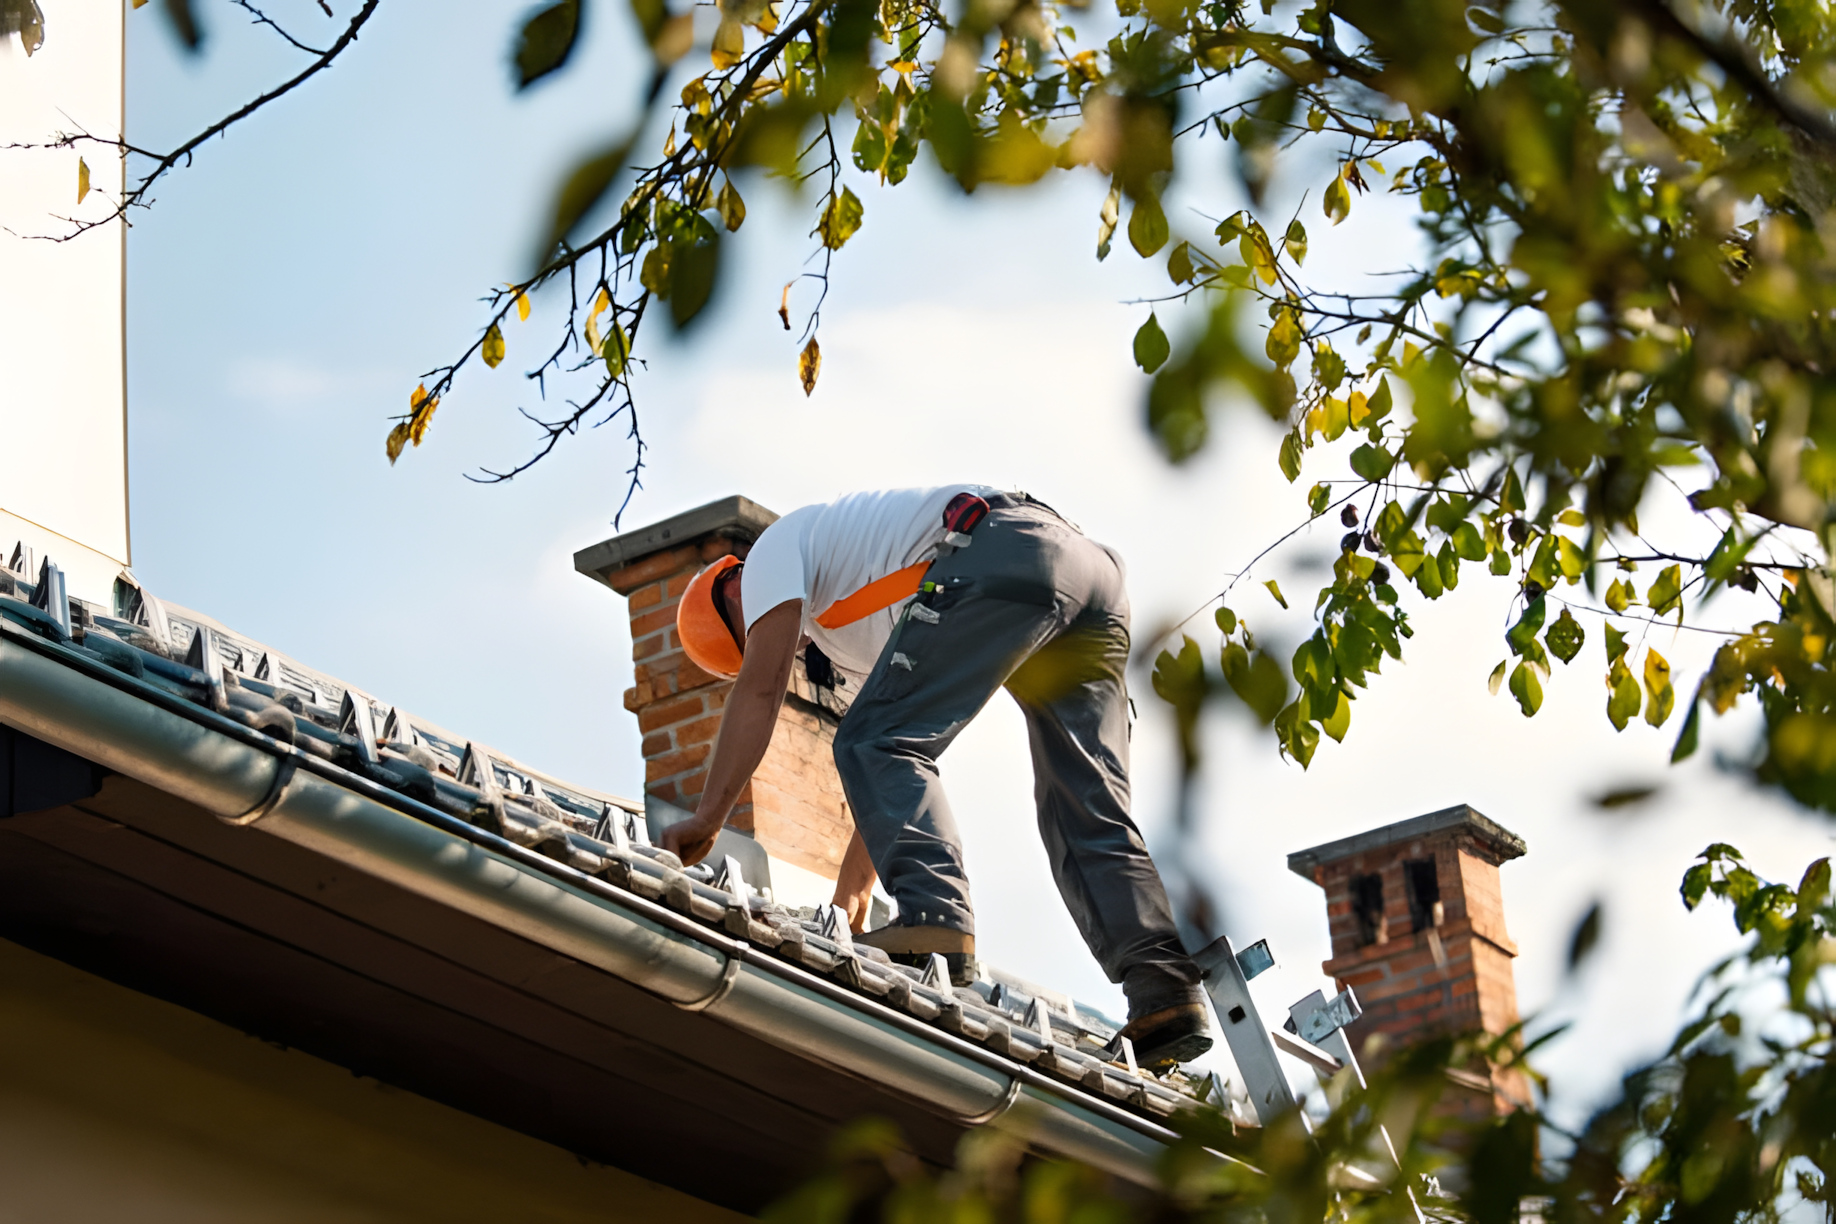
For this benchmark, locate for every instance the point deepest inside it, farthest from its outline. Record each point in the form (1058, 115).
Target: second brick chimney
(793, 806)
(1418, 931)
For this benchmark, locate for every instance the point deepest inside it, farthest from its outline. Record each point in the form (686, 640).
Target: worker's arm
(745, 728)
(854, 886)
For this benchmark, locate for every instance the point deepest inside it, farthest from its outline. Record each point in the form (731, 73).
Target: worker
(931, 599)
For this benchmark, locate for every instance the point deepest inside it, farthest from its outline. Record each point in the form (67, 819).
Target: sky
(289, 288)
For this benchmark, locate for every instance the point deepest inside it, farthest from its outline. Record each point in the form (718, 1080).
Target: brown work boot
(1171, 1035)
(914, 945)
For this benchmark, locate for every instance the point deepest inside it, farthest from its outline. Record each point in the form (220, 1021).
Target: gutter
(136, 729)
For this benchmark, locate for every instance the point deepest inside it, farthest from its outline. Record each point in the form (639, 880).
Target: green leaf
(1469, 542)
(1299, 737)
(1227, 620)
(1688, 738)
(1624, 697)
(1619, 595)
(1296, 241)
(1340, 722)
(1511, 497)
(1275, 590)
(545, 41)
(586, 184)
(1524, 632)
(1586, 936)
(616, 349)
(1151, 347)
(1290, 456)
(1147, 226)
(1666, 593)
(692, 275)
(1257, 681)
(1372, 462)
(840, 220)
(1565, 637)
(1427, 576)
(1695, 884)
(1381, 402)
(1318, 498)
(1728, 554)
(1615, 643)
(1179, 264)
(1569, 558)
(1542, 569)
(1527, 689)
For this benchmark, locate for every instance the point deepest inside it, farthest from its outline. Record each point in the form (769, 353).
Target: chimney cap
(736, 517)
(1500, 840)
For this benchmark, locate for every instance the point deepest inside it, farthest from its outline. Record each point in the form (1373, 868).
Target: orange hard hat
(707, 641)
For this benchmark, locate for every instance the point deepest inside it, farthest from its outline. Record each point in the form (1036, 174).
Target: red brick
(672, 763)
(665, 713)
(650, 622)
(666, 791)
(701, 731)
(679, 583)
(645, 648)
(656, 565)
(645, 596)
(657, 744)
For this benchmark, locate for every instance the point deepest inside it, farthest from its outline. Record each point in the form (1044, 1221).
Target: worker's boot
(1170, 1035)
(914, 946)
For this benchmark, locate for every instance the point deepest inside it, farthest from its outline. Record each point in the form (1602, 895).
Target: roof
(736, 517)
(1500, 840)
(417, 879)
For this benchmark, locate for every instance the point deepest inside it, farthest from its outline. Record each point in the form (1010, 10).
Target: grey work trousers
(1033, 605)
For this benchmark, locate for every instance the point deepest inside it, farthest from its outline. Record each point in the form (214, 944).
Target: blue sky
(289, 288)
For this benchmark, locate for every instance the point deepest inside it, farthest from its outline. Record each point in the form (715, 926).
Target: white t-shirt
(820, 554)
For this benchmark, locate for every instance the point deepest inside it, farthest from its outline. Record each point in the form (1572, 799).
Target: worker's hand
(690, 840)
(854, 884)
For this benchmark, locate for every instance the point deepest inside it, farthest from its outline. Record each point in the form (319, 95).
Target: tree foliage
(1737, 1122)
(1620, 304)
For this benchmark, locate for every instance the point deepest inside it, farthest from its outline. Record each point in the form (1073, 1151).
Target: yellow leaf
(82, 179)
(423, 416)
(809, 364)
(591, 332)
(398, 437)
(140, 3)
(1657, 683)
(602, 303)
(492, 350)
(1358, 409)
(1338, 200)
(522, 307)
(732, 209)
(1275, 590)
(729, 43)
(417, 397)
(1284, 341)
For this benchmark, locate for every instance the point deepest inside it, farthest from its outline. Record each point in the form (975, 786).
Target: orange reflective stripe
(879, 594)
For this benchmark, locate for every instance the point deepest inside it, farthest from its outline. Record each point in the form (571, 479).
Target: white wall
(63, 427)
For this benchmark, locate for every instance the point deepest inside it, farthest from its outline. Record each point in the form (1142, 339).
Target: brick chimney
(793, 807)
(1418, 931)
